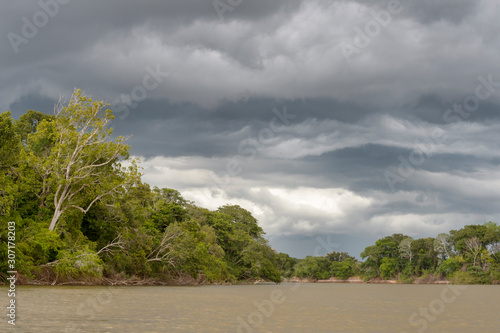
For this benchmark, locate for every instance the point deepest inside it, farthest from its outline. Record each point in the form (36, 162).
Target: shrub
(343, 269)
(387, 268)
(449, 266)
(474, 275)
(82, 263)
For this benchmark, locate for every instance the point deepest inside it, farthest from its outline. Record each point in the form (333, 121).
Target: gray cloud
(323, 171)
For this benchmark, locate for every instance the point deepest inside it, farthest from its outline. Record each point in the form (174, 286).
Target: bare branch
(117, 242)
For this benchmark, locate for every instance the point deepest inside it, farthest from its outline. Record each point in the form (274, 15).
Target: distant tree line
(470, 255)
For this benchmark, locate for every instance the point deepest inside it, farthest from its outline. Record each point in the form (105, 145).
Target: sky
(335, 123)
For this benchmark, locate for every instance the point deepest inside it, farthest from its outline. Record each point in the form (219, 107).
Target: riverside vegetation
(83, 215)
(470, 255)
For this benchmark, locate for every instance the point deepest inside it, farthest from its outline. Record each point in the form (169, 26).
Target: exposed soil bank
(187, 280)
(357, 279)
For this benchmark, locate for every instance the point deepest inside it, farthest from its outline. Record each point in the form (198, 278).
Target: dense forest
(83, 215)
(470, 255)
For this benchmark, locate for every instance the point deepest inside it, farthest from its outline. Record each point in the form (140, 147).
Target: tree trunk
(55, 218)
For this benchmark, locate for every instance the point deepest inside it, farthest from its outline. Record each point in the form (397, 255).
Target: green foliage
(450, 266)
(425, 257)
(473, 275)
(475, 246)
(81, 214)
(9, 150)
(494, 273)
(478, 274)
(343, 269)
(166, 214)
(313, 267)
(368, 273)
(83, 263)
(242, 219)
(443, 245)
(338, 256)
(461, 236)
(405, 249)
(388, 268)
(286, 264)
(28, 123)
(407, 272)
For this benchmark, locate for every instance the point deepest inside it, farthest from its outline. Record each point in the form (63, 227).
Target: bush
(478, 274)
(387, 268)
(82, 263)
(461, 278)
(474, 275)
(449, 266)
(494, 273)
(368, 273)
(407, 273)
(343, 269)
(313, 267)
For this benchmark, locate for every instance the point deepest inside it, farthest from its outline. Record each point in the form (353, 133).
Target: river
(257, 308)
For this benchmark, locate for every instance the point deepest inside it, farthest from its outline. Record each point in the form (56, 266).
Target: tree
(28, 123)
(64, 173)
(169, 195)
(164, 251)
(9, 150)
(389, 246)
(405, 249)
(461, 236)
(425, 257)
(388, 267)
(338, 256)
(343, 269)
(285, 264)
(83, 165)
(242, 219)
(313, 267)
(474, 246)
(443, 245)
(374, 256)
(492, 239)
(450, 265)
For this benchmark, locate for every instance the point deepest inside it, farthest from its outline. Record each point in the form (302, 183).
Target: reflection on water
(258, 308)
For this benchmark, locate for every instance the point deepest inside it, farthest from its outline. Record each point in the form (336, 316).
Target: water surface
(258, 308)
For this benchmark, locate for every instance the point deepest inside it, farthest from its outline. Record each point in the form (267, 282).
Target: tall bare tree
(405, 248)
(83, 163)
(475, 246)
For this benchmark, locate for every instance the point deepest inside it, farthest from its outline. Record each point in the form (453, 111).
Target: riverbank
(356, 279)
(186, 280)
(122, 280)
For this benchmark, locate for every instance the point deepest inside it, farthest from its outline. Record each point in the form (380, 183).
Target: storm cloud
(333, 122)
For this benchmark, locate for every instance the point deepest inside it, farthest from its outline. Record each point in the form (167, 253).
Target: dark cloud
(429, 12)
(321, 171)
